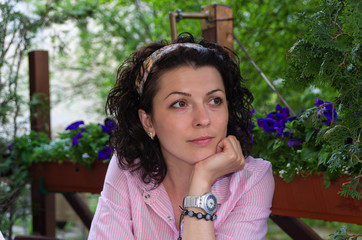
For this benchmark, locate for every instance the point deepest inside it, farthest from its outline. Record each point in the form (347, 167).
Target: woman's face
(190, 114)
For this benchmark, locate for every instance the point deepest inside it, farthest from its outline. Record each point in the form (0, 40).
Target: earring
(151, 135)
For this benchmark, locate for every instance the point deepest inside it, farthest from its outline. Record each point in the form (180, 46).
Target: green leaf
(309, 154)
(309, 135)
(326, 180)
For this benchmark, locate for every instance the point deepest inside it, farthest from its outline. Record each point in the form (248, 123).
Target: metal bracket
(177, 15)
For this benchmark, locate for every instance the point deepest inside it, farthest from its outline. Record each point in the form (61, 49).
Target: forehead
(190, 79)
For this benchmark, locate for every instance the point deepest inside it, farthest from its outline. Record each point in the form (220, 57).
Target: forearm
(227, 160)
(198, 228)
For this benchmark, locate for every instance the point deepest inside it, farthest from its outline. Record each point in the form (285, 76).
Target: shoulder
(116, 174)
(120, 181)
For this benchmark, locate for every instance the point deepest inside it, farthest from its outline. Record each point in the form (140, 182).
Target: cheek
(167, 126)
(222, 121)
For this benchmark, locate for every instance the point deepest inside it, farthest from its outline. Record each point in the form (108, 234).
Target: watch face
(211, 203)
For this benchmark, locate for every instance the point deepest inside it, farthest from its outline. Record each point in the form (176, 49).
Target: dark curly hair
(135, 150)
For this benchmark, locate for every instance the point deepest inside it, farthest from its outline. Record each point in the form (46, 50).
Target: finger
(235, 145)
(238, 150)
(221, 145)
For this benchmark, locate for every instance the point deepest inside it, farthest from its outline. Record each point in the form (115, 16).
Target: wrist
(199, 184)
(207, 203)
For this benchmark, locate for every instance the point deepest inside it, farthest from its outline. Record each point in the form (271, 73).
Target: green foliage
(314, 154)
(81, 145)
(86, 151)
(352, 188)
(23, 147)
(342, 234)
(13, 192)
(108, 31)
(329, 55)
(16, 32)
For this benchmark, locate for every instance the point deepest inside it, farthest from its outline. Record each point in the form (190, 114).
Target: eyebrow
(189, 95)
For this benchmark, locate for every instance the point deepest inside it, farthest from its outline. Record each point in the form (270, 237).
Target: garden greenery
(296, 145)
(320, 140)
(81, 144)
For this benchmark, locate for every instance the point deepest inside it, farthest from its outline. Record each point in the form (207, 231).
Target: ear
(146, 122)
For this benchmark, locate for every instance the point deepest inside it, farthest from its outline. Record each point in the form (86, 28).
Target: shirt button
(147, 196)
(169, 218)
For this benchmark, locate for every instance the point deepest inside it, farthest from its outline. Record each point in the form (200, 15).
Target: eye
(216, 101)
(179, 104)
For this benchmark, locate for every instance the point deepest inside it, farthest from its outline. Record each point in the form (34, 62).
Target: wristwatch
(206, 202)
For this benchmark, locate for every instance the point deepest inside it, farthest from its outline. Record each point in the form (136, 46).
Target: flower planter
(301, 198)
(67, 177)
(307, 198)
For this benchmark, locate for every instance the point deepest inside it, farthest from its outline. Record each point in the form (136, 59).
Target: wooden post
(43, 205)
(173, 25)
(219, 26)
(39, 88)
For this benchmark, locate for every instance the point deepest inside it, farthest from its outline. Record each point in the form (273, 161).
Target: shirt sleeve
(1, 236)
(248, 219)
(112, 219)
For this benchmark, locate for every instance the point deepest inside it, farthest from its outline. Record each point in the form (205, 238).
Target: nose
(201, 117)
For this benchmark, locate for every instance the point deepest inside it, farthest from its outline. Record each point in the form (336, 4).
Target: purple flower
(74, 125)
(105, 153)
(280, 126)
(326, 110)
(318, 102)
(10, 147)
(267, 124)
(275, 121)
(294, 142)
(348, 141)
(108, 126)
(279, 113)
(76, 138)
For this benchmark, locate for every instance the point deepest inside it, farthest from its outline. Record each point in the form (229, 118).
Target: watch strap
(191, 201)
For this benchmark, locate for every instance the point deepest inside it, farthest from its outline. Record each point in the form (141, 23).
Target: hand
(227, 159)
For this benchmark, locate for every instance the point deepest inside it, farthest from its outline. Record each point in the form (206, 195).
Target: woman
(182, 134)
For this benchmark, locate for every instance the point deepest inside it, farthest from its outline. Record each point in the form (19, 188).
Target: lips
(202, 141)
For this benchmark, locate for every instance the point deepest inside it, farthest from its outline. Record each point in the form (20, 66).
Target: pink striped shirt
(129, 209)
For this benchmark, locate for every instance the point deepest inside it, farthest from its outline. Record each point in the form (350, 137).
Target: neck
(177, 179)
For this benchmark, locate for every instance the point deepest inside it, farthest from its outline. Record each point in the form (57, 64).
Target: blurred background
(87, 40)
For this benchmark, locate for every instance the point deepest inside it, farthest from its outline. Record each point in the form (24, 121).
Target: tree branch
(340, 29)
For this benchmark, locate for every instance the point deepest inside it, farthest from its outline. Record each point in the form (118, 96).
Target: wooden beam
(80, 208)
(43, 206)
(295, 228)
